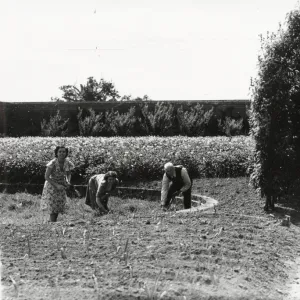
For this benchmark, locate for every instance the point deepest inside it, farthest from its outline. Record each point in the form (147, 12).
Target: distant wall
(24, 118)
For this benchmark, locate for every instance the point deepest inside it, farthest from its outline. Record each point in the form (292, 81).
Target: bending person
(99, 189)
(176, 180)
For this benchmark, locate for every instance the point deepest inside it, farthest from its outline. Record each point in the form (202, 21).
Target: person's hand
(163, 207)
(60, 187)
(103, 212)
(67, 184)
(177, 193)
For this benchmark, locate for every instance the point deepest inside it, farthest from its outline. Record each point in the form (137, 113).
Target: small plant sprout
(131, 271)
(58, 243)
(209, 250)
(96, 287)
(118, 249)
(64, 230)
(126, 250)
(86, 239)
(215, 279)
(25, 259)
(28, 244)
(151, 292)
(56, 292)
(16, 287)
(63, 253)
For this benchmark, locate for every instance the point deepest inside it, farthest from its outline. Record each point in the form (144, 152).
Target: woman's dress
(55, 200)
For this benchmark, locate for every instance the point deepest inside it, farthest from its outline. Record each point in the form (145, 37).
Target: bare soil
(138, 252)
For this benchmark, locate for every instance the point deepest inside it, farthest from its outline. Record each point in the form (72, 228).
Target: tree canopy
(94, 91)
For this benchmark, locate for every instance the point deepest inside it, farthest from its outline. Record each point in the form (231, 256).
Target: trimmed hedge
(275, 112)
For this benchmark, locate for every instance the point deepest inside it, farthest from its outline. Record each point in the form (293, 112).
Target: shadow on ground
(288, 206)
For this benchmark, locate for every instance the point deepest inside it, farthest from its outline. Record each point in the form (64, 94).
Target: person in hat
(99, 188)
(176, 180)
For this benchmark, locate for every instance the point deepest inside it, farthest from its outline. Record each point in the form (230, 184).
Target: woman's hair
(59, 147)
(110, 174)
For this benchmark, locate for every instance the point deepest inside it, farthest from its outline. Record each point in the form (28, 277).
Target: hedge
(23, 160)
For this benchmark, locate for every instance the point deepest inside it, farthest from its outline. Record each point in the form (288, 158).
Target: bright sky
(167, 49)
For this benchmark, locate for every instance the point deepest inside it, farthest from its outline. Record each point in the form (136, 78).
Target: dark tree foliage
(92, 91)
(275, 111)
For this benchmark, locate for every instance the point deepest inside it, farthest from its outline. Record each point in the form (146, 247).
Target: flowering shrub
(134, 158)
(56, 126)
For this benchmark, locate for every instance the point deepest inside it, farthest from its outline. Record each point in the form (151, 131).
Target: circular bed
(199, 202)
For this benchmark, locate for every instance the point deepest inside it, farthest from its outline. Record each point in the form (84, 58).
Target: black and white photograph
(150, 150)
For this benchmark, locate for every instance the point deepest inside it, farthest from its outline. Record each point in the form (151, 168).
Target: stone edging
(203, 202)
(207, 204)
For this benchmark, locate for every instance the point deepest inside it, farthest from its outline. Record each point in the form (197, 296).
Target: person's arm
(114, 187)
(164, 189)
(68, 177)
(186, 180)
(52, 182)
(70, 167)
(100, 194)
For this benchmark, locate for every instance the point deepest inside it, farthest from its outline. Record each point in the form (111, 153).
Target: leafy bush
(230, 126)
(162, 121)
(55, 127)
(89, 125)
(127, 124)
(24, 159)
(195, 121)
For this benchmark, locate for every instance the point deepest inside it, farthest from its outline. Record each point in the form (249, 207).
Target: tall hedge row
(275, 111)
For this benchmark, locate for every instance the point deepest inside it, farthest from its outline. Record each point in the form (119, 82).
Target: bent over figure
(176, 180)
(99, 189)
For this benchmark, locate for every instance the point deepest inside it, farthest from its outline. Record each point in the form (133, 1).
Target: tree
(93, 91)
(275, 112)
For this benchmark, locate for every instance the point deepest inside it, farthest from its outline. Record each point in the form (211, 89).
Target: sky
(167, 49)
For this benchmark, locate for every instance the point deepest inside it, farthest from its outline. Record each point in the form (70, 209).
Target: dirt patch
(139, 252)
(294, 283)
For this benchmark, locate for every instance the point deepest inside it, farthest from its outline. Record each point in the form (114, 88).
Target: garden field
(235, 251)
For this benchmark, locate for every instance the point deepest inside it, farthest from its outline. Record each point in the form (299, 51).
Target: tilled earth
(138, 252)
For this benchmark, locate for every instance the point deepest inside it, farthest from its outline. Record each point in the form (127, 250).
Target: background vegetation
(23, 160)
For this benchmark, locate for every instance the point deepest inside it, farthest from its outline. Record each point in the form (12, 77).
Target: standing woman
(99, 189)
(57, 179)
